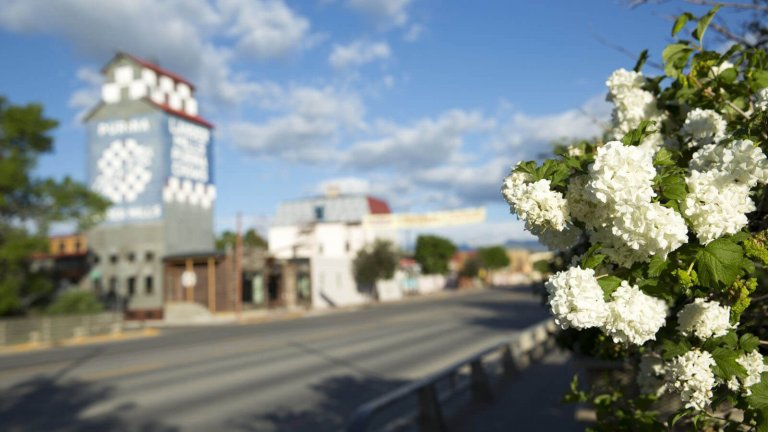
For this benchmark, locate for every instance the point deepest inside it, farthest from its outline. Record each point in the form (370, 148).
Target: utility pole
(239, 267)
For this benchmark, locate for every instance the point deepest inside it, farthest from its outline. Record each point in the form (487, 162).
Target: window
(131, 286)
(131, 257)
(149, 256)
(113, 258)
(319, 213)
(61, 248)
(148, 288)
(77, 245)
(113, 284)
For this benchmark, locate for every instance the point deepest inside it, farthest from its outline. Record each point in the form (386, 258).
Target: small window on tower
(131, 286)
(319, 213)
(149, 256)
(148, 288)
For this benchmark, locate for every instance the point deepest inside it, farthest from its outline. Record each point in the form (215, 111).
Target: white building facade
(328, 231)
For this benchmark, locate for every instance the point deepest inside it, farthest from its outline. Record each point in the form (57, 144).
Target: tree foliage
(377, 261)
(433, 253)
(493, 257)
(251, 239)
(29, 204)
(75, 302)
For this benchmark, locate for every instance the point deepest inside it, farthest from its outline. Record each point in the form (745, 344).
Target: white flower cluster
(691, 376)
(704, 127)
(719, 184)
(577, 301)
(544, 211)
(631, 103)
(754, 364)
(614, 202)
(704, 319)
(633, 316)
(761, 102)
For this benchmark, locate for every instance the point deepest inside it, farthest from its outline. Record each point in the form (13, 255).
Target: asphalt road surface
(300, 375)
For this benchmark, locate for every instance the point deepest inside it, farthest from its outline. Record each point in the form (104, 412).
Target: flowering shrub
(665, 225)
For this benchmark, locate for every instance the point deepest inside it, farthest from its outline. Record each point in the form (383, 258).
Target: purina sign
(143, 162)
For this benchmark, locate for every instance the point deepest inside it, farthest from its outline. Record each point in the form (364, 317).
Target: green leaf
(759, 397)
(680, 22)
(719, 263)
(656, 266)
(592, 261)
(671, 349)
(731, 340)
(609, 284)
(739, 237)
(704, 21)
(762, 423)
(528, 167)
(638, 134)
(675, 58)
(727, 366)
(749, 342)
(663, 158)
(641, 61)
(759, 79)
(673, 187)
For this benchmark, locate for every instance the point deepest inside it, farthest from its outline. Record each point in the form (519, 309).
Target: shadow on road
(514, 313)
(337, 399)
(45, 404)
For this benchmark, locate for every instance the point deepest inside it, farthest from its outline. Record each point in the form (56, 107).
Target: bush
(433, 254)
(75, 302)
(375, 262)
(665, 225)
(493, 257)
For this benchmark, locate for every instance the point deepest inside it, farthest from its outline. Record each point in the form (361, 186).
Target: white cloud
(358, 53)
(183, 34)
(468, 185)
(482, 234)
(385, 12)
(264, 28)
(413, 33)
(425, 143)
(85, 98)
(311, 122)
(533, 133)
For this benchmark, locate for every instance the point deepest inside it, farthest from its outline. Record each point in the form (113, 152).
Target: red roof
(377, 206)
(150, 65)
(197, 119)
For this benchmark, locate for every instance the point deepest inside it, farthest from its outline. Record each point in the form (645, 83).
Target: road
(300, 375)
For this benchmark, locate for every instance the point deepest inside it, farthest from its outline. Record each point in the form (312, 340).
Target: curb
(84, 340)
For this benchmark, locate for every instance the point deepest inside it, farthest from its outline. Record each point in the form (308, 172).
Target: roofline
(165, 108)
(343, 195)
(149, 65)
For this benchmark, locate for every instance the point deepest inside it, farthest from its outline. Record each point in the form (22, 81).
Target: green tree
(434, 253)
(375, 262)
(471, 267)
(75, 302)
(251, 239)
(29, 204)
(493, 257)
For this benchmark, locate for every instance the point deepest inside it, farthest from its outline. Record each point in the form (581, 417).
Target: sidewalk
(529, 402)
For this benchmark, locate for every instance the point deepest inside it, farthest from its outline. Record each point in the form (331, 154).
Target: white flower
(754, 364)
(622, 80)
(631, 103)
(691, 376)
(715, 205)
(761, 102)
(535, 203)
(650, 374)
(704, 319)
(634, 316)
(740, 161)
(622, 174)
(704, 127)
(722, 67)
(576, 299)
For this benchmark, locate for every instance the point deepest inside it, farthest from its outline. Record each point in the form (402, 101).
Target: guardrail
(468, 375)
(55, 328)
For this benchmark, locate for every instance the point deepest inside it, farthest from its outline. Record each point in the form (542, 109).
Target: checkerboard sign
(130, 83)
(124, 170)
(189, 192)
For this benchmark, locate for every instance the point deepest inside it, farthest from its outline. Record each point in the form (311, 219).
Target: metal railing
(431, 394)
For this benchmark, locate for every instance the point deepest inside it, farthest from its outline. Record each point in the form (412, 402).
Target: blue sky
(424, 103)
